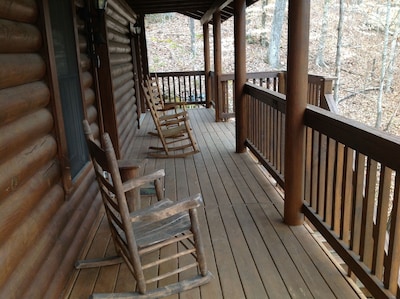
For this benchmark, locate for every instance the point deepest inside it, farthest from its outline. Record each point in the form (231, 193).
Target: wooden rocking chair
(148, 230)
(173, 130)
(169, 114)
(164, 108)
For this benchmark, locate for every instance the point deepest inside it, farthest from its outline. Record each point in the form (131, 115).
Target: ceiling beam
(216, 6)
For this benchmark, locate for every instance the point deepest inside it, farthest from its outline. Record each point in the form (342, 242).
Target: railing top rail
(255, 75)
(270, 97)
(369, 141)
(172, 74)
(321, 76)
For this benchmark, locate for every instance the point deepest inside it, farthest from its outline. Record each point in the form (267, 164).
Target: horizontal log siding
(86, 68)
(41, 233)
(30, 193)
(121, 64)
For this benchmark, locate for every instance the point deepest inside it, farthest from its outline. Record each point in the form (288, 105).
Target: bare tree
(339, 50)
(192, 37)
(320, 59)
(263, 39)
(393, 53)
(383, 67)
(276, 33)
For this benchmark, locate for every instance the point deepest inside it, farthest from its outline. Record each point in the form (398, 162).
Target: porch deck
(250, 252)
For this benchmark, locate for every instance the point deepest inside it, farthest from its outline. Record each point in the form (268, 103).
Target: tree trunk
(276, 33)
(263, 40)
(393, 54)
(383, 68)
(192, 37)
(339, 50)
(320, 60)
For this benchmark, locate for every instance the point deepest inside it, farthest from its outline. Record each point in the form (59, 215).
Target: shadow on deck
(250, 252)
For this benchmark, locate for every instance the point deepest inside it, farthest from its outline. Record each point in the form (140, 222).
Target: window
(69, 83)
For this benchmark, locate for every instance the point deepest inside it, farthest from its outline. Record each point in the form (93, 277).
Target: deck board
(250, 251)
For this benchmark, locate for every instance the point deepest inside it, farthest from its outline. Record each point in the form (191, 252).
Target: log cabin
(63, 61)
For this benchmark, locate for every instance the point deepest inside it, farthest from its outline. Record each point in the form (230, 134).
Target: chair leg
(198, 242)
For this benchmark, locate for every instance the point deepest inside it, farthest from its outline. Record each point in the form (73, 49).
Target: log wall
(119, 18)
(42, 228)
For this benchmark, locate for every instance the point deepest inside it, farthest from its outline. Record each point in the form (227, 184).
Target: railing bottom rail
(351, 259)
(267, 164)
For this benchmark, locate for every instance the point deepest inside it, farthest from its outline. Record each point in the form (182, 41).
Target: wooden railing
(226, 105)
(189, 87)
(351, 186)
(318, 87)
(352, 190)
(266, 128)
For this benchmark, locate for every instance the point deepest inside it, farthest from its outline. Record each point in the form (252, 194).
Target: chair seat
(150, 233)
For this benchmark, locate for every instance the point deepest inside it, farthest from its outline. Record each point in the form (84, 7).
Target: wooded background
(355, 41)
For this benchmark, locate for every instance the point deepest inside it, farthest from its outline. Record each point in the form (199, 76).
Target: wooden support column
(207, 63)
(105, 84)
(143, 45)
(217, 64)
(297, 84)
(240, 73)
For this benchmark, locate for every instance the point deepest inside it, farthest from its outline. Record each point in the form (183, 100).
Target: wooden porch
(251, 253)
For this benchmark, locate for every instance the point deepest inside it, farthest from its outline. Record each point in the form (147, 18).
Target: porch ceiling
(192, 8)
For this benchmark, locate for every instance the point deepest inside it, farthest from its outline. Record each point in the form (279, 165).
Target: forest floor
(170, 49)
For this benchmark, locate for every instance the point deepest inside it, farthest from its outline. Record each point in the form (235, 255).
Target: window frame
(69, 183)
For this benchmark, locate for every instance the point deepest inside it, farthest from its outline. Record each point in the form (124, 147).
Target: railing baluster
(271, 134)
(322, 174)
(279, 141)
(337, 202)
(359, 184)
(330, 181)
(308, 165)
(314, 169)
(392, 262)
(347, 195)
(366, 244)
(191, 90)
(381, 221)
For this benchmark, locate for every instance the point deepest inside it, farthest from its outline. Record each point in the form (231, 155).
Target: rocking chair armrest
(167, 107)
(180, 115)
(140, 181)
(170, 122)
(180, 206)
(170, 106)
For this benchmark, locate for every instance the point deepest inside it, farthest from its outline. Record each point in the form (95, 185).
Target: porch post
(143, 45)
(217, 63)
(240, 73)
(207, 63)
(296, 101)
